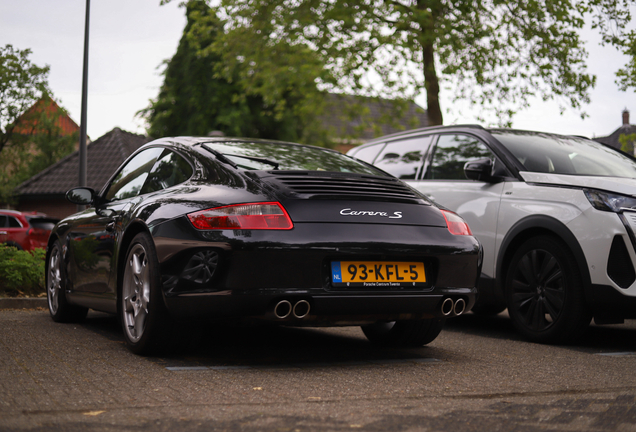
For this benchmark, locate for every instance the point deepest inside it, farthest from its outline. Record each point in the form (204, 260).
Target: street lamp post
(82, 143)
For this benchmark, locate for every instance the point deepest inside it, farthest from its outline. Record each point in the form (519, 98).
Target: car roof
(25, 215)
(424, 129)
(189, 141)
(13, 212)
(458, 127)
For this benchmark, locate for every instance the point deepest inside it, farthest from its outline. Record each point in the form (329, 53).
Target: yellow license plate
(377, 273)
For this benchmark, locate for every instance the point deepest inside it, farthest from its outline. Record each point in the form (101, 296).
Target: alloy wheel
(538, 289)
(136, 293)
(55, 280)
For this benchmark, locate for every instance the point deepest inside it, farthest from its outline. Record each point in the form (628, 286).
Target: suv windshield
(557, 154)
(289, 157)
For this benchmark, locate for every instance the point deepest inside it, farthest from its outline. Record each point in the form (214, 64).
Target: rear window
(289, 157)
(42, 223)
(557, 154)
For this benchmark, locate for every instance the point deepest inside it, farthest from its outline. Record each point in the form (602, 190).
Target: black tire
(408, 333)
(142, 312)
(488, 309)
(59, 308)
(544, 292)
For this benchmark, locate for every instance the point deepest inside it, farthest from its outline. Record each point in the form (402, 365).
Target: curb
(23, 303)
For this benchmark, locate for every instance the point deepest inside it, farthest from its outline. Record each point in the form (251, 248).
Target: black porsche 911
(236, 230)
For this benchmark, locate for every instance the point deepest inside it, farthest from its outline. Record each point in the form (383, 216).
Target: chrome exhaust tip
(460, 307)
(282, 309)
(301, 309)
(447, 306)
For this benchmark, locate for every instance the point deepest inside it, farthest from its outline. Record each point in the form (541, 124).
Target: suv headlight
(611, 202)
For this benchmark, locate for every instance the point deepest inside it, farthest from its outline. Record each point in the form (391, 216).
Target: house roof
(27, 123)
(612, 140)
(103, 157)
(358, 119)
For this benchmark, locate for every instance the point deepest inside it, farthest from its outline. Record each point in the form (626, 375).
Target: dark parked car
(25, 230)
(231, 229)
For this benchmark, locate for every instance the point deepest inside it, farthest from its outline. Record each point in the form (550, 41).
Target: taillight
(456, 225)
(268, 215)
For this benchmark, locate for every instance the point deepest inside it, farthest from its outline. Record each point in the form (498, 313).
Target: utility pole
(82, 143)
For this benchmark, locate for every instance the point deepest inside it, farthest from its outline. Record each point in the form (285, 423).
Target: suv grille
(347, 186)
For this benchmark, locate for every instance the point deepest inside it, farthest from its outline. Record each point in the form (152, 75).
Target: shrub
(21, 272)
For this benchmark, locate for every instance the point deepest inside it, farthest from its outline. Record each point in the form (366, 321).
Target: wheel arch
(533, 226)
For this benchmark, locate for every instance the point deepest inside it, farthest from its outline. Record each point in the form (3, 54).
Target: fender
(523, 229)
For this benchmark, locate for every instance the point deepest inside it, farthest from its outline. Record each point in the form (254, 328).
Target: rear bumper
(254, 270)
(324, 308)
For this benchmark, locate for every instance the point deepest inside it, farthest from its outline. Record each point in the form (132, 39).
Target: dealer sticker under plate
(377, 273)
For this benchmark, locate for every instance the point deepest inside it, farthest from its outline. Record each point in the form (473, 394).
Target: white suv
(556, 216)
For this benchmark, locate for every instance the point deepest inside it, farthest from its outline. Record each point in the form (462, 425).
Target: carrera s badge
(349, 212)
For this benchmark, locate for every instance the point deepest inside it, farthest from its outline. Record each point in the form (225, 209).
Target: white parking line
(305, 365)
(618, 354)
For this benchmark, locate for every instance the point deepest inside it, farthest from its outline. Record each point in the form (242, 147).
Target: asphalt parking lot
(478, 375)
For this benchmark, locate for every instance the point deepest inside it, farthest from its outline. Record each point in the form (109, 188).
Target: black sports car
(241, 229)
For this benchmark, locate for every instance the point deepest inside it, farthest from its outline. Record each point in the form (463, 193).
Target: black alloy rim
(538, 290)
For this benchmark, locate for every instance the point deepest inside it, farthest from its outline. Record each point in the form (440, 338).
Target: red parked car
(25, 230)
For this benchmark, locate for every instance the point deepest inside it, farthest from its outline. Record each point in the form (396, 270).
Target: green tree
(496, 54)
(201, 93)
(627, 142)
(21, 85)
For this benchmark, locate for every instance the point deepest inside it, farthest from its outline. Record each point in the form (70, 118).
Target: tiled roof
(612, 140)
(103, 157)
(26, 124)
(359, 119)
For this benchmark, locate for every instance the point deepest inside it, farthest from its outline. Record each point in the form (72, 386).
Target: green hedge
(21, 272)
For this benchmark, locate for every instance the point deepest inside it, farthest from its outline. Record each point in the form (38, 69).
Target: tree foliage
(22, 83)
(496, 54)
(627, 142)
(202, 91)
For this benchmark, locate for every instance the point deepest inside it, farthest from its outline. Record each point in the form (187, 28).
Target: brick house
(27, 123)
(624, 129)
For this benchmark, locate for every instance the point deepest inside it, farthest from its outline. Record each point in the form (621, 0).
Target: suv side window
(13, 222)
(131, 178)
(171, 169)
(452, 152)
(368, 154)
(403, 158)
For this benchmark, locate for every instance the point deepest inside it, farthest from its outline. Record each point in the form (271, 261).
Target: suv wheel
(544, 292)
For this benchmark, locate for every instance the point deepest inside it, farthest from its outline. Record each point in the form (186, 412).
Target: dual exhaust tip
(452, 307)
(299, 310)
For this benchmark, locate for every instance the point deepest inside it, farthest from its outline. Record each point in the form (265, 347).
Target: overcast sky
(129, 39)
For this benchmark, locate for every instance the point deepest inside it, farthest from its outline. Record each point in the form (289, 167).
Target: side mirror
(81, 195)
(480, 169)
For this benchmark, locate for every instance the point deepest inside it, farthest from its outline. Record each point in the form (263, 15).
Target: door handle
(3, 232)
